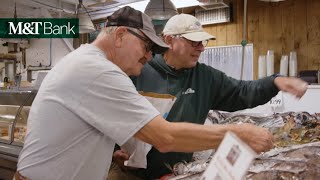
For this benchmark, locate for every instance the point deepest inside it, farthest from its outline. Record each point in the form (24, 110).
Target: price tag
(276, 101)
(231, 161)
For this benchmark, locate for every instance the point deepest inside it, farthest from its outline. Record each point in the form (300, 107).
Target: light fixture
(273, 3)
(160, 9)
(85, 21)
(272, 0)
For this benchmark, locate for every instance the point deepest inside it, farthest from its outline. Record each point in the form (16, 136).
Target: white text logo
(189, 91)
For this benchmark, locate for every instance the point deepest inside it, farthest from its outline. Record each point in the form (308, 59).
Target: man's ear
(168, 40)
(119, 35)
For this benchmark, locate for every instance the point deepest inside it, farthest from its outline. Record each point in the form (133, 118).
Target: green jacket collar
(159, 63)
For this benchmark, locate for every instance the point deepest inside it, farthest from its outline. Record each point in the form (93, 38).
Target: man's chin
(193, 64)
(137, 72)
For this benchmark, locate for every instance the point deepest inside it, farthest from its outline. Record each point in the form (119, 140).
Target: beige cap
(188, 27)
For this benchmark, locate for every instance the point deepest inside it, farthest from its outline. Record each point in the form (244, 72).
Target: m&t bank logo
(26, 28)
(39, 28)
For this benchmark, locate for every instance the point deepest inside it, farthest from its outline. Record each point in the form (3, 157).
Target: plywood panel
(282, 27)
(313, 28)
(238, 19)
(228, 33)
(273, 35)
(213, 31)
(300, 33)
(232, 30)
(221, 35)
(253, 33)
(231, 36)
(287, 17)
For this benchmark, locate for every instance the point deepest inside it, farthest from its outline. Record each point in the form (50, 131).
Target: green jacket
(198, 90)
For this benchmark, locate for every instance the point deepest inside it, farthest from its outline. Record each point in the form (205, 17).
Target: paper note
(231, 161)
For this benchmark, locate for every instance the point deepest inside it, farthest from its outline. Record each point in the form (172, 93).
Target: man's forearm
(187, 137)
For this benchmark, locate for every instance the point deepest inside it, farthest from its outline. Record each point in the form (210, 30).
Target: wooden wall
(291, 25)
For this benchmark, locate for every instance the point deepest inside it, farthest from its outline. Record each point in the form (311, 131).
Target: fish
(296, 154)
(295, 162)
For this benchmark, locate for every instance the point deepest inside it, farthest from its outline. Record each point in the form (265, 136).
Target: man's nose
(200, 47)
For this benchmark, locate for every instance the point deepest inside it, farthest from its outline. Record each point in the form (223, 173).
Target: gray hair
(111, 29)
(107, 30)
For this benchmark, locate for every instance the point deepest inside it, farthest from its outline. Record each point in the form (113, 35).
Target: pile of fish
(295, 162)
(296, 154)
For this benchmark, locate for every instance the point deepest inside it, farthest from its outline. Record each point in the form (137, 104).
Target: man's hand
(259, 139)
(119, 157)
(294, 86)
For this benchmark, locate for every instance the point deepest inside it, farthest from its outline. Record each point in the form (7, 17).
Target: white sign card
(231, 161)
(277, 101)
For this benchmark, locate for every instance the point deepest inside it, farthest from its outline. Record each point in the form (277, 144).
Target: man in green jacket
(197, 87)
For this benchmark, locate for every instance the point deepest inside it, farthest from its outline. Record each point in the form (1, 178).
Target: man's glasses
(148, 44)
(194, 43)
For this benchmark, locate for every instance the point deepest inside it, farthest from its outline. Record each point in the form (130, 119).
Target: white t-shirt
(84, 106)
